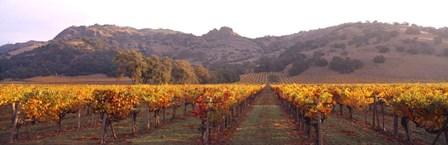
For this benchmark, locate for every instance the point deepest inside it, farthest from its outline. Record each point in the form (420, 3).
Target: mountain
(9, 50)
(407, 51)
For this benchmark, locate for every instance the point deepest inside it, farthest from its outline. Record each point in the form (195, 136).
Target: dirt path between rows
(265, 124)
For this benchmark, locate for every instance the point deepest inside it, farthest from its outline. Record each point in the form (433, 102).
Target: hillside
(9, 50)
(408, 51)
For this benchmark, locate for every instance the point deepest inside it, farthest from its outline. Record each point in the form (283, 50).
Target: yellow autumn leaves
(424, 104)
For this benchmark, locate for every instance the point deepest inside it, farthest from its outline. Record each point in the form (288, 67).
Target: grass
(339, 131)
(417, 133)
(179, 133)
(43, 133)
(265, 124)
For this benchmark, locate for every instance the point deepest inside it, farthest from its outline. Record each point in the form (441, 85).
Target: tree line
(164, 70)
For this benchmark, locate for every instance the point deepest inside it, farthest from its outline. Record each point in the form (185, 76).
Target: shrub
(413, 51)
(437, 40)
(360, 40)
(382, 49)
(321, 62)
(346, 65)
(394, 33)
(343, 37)
(379, 59)
(318, 54)
(400, 49)
(298, 67)
(445, 52)
(413, 30)
(339, 45)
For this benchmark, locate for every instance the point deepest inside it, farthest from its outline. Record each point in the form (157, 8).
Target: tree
(437, 40)
(167, 68)
(400, 49)
(346, 65)
(298, 67)
(154, 72)
(339, 45)
(413, 30)
(264, 64)
(131, 62)
(382, 49)
(321, 62)
(183, 73)
(379, 59)
(220, 76)
(202, 74)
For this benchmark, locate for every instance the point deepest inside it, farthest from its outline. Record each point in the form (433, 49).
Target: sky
(42, 20)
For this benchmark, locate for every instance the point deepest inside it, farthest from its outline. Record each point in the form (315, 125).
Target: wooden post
(104, 129)
(92, 117)
(157, 117)
(350, 110)
(148, 117)
(185, 109)
(13, 111)
(113, 130)
(164, 113)
(374, 111)
(395, 124)
(365, 117)
(14, 129)
(134, 122)
(79, 118)
(208, 123)
(319, 127)
(174, 112)
(300, 121)
(340, 107)
(60, 123)
(377, 120)
(225, 121)
(27, 131)
(308, 128)
(296, 116)
(382, 111)
(405, 124)
(303, 122)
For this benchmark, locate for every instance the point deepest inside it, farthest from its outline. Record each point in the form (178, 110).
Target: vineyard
(214, 105)
(281, 78)
(426, 105)
(225, 114)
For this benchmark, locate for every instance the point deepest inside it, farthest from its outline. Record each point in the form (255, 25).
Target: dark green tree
(298, 67)
(346, 65)
(202, 74)
(167, 67)
(154, 72)
(183, 73)
(132, 63)
(379, 59)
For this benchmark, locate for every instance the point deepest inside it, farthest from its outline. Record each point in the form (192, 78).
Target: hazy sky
(23, 20)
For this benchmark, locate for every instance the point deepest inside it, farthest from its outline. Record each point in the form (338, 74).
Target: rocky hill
(407, 51)
(9, 50)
